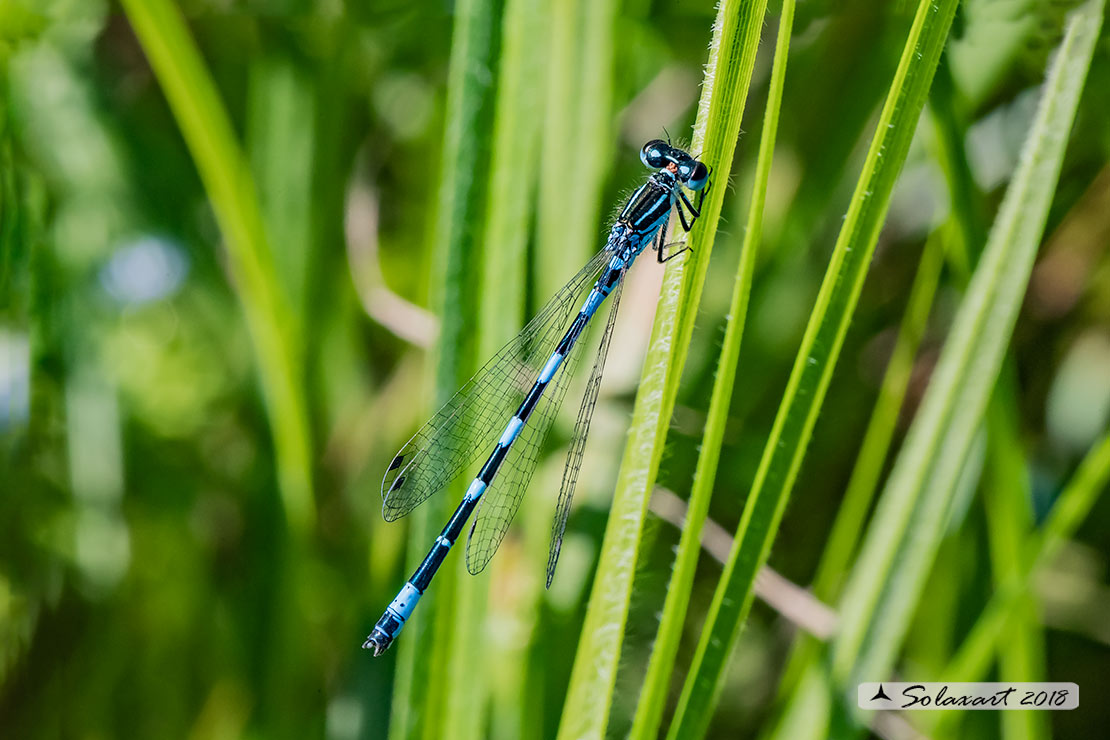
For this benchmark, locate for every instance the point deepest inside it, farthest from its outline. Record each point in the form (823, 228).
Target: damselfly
(529, 374)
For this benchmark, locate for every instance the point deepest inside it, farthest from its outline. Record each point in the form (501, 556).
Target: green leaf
(886, 583)
(813, 366)
(728, 74)
(653, 695)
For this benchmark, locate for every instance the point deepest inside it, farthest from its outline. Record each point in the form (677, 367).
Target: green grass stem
(840, 549)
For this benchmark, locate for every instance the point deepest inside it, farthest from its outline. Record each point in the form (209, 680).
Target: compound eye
(654, 154)
(694, 174)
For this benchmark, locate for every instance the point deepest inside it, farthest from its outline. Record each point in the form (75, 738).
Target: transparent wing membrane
(501, 500)
(581, 432)
(466, 427)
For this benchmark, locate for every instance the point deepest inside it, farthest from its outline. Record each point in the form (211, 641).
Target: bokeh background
(165, 572)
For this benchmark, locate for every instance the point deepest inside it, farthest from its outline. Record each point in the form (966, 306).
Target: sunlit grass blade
(813, 367)
(956, 240)
(864, 480)
(223, 169)
(436, 648)
(945, 241)
(902, 540)
(732, 57)
(880, 430)
(653, 695)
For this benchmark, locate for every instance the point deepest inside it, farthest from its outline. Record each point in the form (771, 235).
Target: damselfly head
(658, 154)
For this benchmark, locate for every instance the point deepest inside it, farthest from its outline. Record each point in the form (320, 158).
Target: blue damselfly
(529, 374)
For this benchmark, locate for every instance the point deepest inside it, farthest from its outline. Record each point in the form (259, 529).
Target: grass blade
(427, 693)
(1009, 513)
(518, 117)
(653, 695)
(863, 482)
(513, 159)
(732, 57)
(281, 117)
(223, 169)
(902, 540)
(973, 658)
(814, 365)
(880, 430)
(579, 109)
(949, 241)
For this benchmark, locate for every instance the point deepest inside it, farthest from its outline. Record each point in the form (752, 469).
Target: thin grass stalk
(880, 429)
(859, 493)
(716, 130)
(902, 540)
(728, 74)
(867, 471)
(227, 180)
(974, 657)
(1006, 493)
(425, 693)
(953, 240)
(957, 240)
(1009, 514)
(813, 367)
(653, 695)
(514, 161)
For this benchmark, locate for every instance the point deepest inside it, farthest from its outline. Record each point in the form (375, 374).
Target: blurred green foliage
(152, 580)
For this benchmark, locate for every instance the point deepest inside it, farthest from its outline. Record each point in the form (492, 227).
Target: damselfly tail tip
(378, 641)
